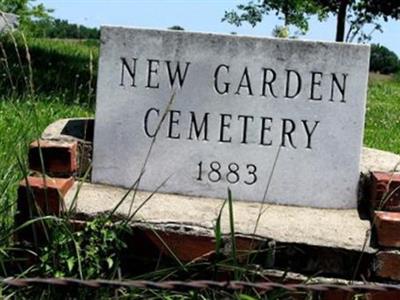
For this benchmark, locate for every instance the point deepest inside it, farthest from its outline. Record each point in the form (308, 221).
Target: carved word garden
(264, 83)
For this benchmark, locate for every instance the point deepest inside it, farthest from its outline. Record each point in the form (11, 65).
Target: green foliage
(379, 8)
(382, 127)
(64, 67)
(62, 29)
(357, 13)
(280, 32)
(90, 253)
(234, 253)
(23, 116)
(292, 12)
(176, 27)
(396, 77)
(36, 21)
(383, 60)
(27, 11)
(21, 121)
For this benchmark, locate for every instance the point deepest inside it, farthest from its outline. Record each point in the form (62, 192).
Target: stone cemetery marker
(244, 108)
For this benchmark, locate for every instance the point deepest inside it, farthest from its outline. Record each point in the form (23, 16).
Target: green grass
(62, 67)
(382, 128)
(22, 121)
(62, 74)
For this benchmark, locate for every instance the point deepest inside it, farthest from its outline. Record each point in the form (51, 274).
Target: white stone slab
(312, 129)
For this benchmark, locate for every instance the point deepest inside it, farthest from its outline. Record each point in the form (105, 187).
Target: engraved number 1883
(216, 172)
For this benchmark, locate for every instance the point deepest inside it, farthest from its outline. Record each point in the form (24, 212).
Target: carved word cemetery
(274, 120)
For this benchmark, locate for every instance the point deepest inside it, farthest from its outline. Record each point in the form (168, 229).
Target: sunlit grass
(22, 121)
(382, 128)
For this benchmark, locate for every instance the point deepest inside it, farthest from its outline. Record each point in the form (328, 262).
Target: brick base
(387, 227)
(60, 159)
(41, 196)
(387, 265)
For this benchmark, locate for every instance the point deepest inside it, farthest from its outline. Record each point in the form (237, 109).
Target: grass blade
(232, 233)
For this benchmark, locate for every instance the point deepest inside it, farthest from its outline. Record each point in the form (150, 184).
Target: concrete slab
(194, 215)
(378, 160)
(80, 129)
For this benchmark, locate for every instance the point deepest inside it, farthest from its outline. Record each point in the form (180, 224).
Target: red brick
(59, 157)
(336, 295)
(387, 265)
(383, 296)
(382, 185)
(47, 194)
(387, 225)
(189, 247)
(185, 247)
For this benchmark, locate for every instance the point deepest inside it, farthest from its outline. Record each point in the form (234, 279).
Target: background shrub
(383, 60)
(53, 66)
(61, 29)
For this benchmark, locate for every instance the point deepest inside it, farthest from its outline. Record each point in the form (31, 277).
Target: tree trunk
(285, 11)
(341, 20)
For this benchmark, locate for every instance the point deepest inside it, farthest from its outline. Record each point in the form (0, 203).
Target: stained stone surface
(378, 160)
(336, 228)
(247, 113)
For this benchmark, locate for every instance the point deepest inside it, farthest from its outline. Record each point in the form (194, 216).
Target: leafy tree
(383, 60)
(62, 29)
(292, 12)
(370, 11)
(176, 27)
(357, 13)
(26, 10)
